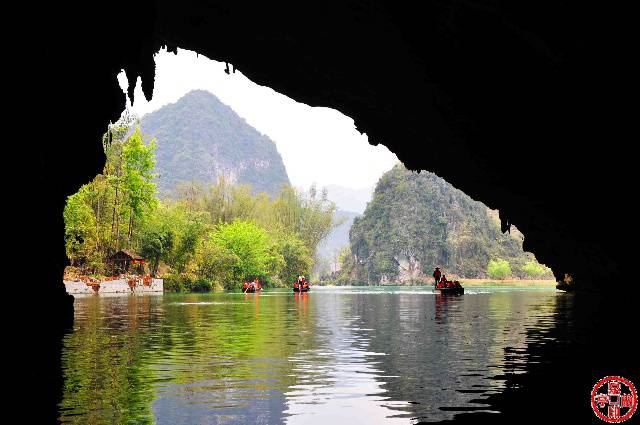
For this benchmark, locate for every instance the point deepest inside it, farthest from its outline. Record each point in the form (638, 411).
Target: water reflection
(332, 356)
(446, 354)
(338, 379)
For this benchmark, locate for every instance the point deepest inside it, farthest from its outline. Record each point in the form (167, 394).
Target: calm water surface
(385, 355)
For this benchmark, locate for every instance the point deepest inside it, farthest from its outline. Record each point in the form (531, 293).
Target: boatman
(436, 275)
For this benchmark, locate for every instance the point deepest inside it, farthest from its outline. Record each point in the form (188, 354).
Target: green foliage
(216, 263)
(189, 283)
(201, 285)
(251, 246)
(173, 283)
(533, 269)
(199, 138)
(80, 226)
(419, 221)
(296, 258)
(499, 269)
(138, 164)
(156, 244)
(311, 219)
(106, 214)
(205, 238)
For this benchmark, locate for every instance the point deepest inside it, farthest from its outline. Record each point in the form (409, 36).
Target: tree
(498, 269)
(250, 243)
(156, 243)
(113, 141)
(216, 264)
(138, 186)
(207, 237)
(185, 226)
(310, 219)
(296, 257)
(534, 269)
(80, 227)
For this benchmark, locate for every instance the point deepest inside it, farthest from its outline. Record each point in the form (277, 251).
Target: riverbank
(545, 282)
(471, 282)
(114, 286)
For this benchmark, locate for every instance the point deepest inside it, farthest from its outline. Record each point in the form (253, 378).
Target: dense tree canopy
(106, 214)
(417, 221)
(201, 236)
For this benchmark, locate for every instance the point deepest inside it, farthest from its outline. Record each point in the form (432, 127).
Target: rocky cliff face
(201, 139)
(416, 222)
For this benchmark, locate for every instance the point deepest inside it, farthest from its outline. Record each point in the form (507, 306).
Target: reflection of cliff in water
(447, 355)
(591, 336)
(377, 355)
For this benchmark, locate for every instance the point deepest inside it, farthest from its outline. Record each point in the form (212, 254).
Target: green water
(336, 355)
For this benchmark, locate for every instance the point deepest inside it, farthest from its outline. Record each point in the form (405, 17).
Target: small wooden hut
(125, 260)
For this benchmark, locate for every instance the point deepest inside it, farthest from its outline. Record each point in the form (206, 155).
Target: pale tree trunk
(115, 221)
(130, 231)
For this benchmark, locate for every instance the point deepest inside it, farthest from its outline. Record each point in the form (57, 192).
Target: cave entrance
(217, 183)
(211, 146)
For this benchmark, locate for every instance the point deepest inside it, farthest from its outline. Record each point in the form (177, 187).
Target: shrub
(248, 247)
(201, 285)
(173, 283)
(498, 269)
(534, 269)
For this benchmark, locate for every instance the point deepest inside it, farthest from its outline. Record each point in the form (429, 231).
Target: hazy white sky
(318, 145)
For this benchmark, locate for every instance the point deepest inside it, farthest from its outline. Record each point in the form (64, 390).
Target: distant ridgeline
(330, 247)
(200, 139)
(418, 221)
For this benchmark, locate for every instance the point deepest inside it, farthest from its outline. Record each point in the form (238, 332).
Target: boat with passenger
(252, 287)
(301, 285)
(447, 287)
(454, 290)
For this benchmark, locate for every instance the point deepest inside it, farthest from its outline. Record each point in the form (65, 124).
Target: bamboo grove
(198, 238)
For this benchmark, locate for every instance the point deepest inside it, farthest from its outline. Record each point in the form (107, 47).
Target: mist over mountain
(348, 198)
(199, 139)
(329, 248)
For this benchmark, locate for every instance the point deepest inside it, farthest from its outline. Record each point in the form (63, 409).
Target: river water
(348, 355)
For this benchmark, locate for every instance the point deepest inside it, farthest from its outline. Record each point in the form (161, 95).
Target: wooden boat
(251, 290)
(453, 290)
(450, 287)
(296, 288)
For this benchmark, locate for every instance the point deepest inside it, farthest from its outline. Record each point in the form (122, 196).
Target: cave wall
(517, 105)
(520, 105)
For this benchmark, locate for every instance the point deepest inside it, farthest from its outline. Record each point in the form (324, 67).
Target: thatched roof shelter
(121, 261)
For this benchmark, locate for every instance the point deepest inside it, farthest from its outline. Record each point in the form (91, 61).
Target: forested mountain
(418, 221)
(199, 139)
